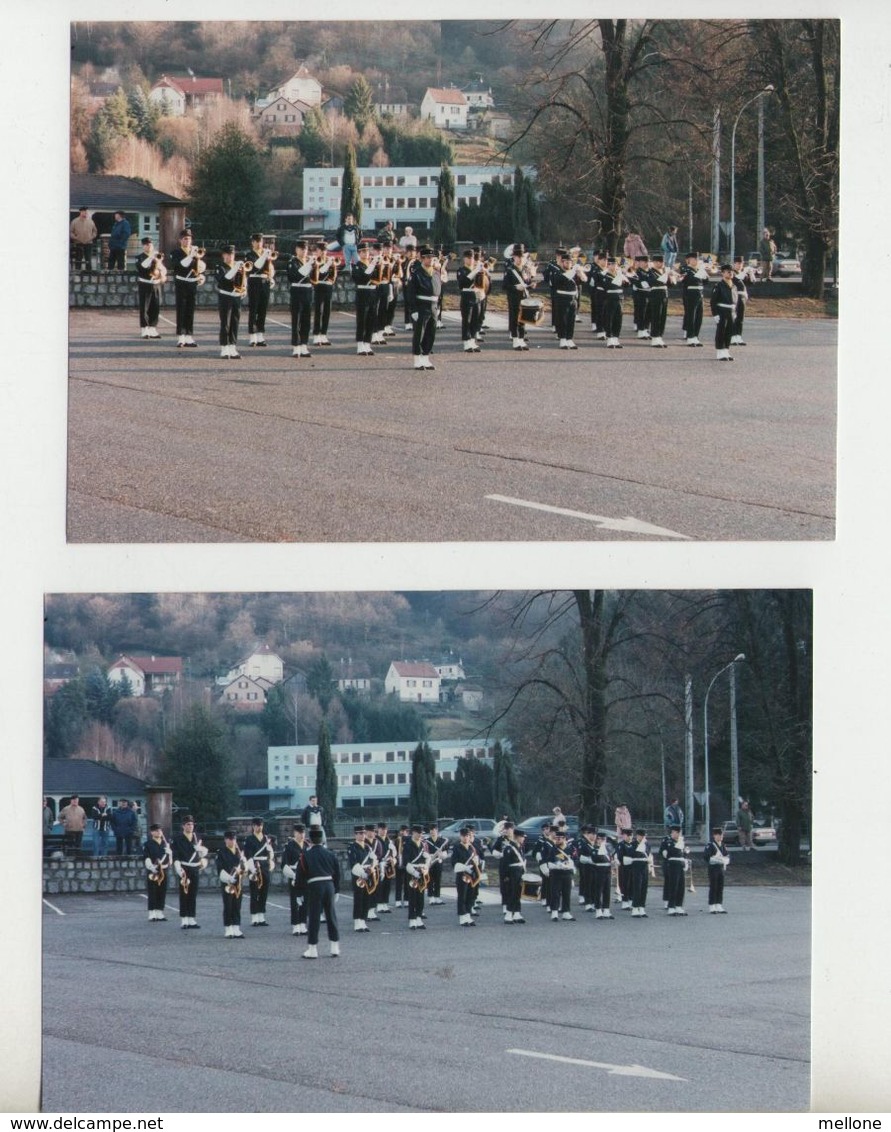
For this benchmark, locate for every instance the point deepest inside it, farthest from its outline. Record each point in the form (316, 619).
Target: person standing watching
(117, 243)
(744, 822)
(669, 246)
(83, 233)
(101, 815)
(74, 819)
(348, 236)
(123, 825)
(767, 250)
(674, 815)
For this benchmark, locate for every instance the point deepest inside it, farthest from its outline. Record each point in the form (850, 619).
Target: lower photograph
(452, 851)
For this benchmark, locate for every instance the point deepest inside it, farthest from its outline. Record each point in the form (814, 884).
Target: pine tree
(197, 764)
(506, 789)
(359, 104)
(423, 800)
(228, 187)
(445, 221)
(351, 189)
(326, 779)
(523, 233)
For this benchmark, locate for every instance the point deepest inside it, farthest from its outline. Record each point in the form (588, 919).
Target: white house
(450, 669)
(280, 115)
(147, 674)
(414, 682)
(300, 87)
(445, 108)
(170, 96)
(125, 668)
(185, 92)
(262, 662)
(478, 94)
(244, 694)
(354, 677)
(471, 698)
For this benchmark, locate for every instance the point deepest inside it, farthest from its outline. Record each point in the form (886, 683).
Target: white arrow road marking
(54, 908)
(614, 1070)
(628, 524)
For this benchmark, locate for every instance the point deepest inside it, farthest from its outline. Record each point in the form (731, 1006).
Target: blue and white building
(367, 773)
(404, 194)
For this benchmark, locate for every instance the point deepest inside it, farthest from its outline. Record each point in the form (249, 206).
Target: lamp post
(767, 90)
(708, 809)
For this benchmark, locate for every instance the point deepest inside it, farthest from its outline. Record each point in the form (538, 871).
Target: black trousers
(692, 313)
(149, 298)
(740, 316)
(625, 882)
(565, 311)
(515, 328)
(383, 892)
(561, 890)
(230, 316)
(231, 908)
(360, 902)
(586, 883)
(123, 845)
(424, 334)
(381, 307)
(470, 315)
(185, 294)
(321, 307)
(640, 882)
(658, 312)
(511, 889)
(365, 310)
(81, 252)
(415, 901)
(301, 315)
(466, 894)
(612, 317)
(258, 303)
(601, 893)
(259, 893)
(157, 894)
(297, 900)
(117, 259)
(435, 886)
(641, 310)
(724, 329)
(188, 901)
(319, 899)
(597, 300)
(715, 884)
(675, 885)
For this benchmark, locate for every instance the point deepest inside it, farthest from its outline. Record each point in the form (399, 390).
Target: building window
(334, 182)
(298, 759)
(461, 179)
(389, 202)
(310, 760)
(391, 756)
(366, 202)
(473, 200)
(345, 758)
(366, 182)
(400, 779)
(378, 182)
(400, 202)
(366, 758)
(400, 756)
(391, 778)
(389, 181)
(357, 780)
(252, 695)
(423, 180)
(366, 779)
(446, 776)
(400, 180)
(412, 202)
(422, 202)
(357, 758)
(378, 780)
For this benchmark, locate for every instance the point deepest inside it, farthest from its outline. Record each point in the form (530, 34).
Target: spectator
(767, 250)
(48, 816)
(670, 246)
(744, 823)
(117, 243)
(313, 817)
(101, 815)
(388, 234)
(348, 236)
(123, 823)
(409, 240)
(140, 820)
(674, 815)
(74, 819)
(83, 233)
(623, 819)
(634, 246)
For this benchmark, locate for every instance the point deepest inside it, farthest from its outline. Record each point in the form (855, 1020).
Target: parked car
(532, 826)
(483, 827)
(786, 264)
(762, 833)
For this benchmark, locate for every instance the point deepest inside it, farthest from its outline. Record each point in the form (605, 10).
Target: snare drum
(530, 887)
(531, 310)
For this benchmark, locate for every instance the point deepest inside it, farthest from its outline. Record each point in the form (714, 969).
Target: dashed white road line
(613, 1070)
(58, 911)
(628, 524)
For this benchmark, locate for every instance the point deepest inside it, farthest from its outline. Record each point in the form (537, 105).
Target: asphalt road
(705, 1013)
(176, 445)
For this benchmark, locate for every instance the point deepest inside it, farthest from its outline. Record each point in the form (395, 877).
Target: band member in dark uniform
(502, 834)
(637, 857)
(259, 286)
(516, 282)
(230, 276)
(565, 298)
(399, 843)
(510, 871)
(363, 274)
(723, 303)
(372, 861)
(597, 288)
(640, 295)
(188, 274)
(586, 850)
(383, 292)
(325, 278)
(693, 278)
(468, 869)
(231, 870)
(659, 277)
(717, 858)
(615, 280)
(260, 853)
(321, 874)
(439, 849)
(424, 287)
(624, 870)
(675, 856)
(300, 272)
(470, 291)
(189, 858)
(742, 274)
(291, 856)
(485, 286)
(150, 277)
(358, 860)
(158, 861)
(561, 869)
(417, 865)
(603, 857)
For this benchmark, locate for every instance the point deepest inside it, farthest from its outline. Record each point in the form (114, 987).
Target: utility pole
(716, 183)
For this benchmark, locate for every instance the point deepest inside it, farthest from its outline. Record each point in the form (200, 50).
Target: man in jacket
(117, 243)
(123, 825)
(73, 818)
(101, 815)
(348, 236)
(83, 232)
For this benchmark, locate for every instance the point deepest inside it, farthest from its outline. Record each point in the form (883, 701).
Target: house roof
(158, 665)
(249, 680)
(190, 84)
(83, 776)
(107, 194)
(415, 668)
(452, 97)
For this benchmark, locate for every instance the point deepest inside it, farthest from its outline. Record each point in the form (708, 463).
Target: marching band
(374, 859)
(382, 271)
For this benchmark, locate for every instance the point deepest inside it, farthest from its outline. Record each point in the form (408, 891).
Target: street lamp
(708, 808)
(767, 90)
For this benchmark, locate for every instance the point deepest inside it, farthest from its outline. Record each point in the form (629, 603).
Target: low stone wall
(118, 289)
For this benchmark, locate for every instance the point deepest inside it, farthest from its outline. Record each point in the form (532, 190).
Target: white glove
(414, 316)
(288, 872)
(150, 865)
(644, 286)
(717, 318)
(358, 871)
(412, 870)
(545, 869)
(178, 868)
(226, 878)
(459, 868)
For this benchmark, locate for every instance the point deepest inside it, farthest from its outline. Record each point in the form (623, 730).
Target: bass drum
(531, 311)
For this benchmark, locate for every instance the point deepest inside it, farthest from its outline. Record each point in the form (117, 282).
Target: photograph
(551, 834)
(453, 280)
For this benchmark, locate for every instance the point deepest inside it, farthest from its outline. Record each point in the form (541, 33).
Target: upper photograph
(453, 281)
